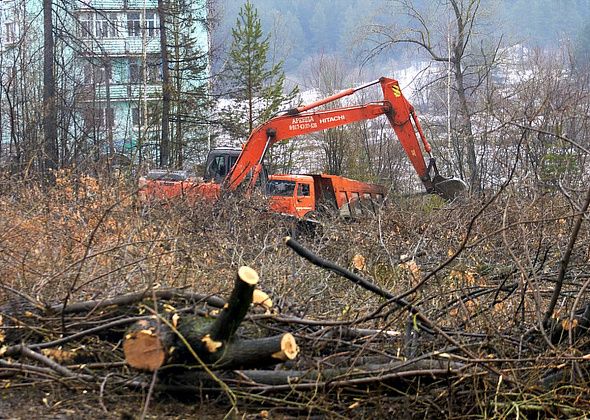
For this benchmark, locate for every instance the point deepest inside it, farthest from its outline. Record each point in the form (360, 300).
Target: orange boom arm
(299, 121)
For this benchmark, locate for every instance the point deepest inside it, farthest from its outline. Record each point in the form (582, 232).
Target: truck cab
(291, 194)
(299, 195)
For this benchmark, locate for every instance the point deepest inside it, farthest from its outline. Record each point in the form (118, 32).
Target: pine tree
(184, 113)
(189, 82)
(254, 83)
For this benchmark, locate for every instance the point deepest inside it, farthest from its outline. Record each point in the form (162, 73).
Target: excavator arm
(302, 120)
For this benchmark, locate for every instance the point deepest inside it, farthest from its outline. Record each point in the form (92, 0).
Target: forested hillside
(304, 28)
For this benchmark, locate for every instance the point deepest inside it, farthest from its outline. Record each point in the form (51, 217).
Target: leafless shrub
(482, 270)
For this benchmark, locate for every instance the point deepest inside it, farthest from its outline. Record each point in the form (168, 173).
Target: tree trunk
(256, 353)
(109, 121)
(337, 377)
(467, 130)
(465, 114)
(178, 143)
(166, 88)
(50, 151)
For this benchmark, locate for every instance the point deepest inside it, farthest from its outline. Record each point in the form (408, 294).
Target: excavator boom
(303, 120)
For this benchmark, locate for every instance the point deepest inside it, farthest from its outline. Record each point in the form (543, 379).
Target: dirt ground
(55, 401)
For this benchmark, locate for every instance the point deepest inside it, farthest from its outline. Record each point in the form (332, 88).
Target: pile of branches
(244, 349)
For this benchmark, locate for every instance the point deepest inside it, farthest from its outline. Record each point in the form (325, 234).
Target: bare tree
(166, 86)
(50, 149)
(549, 105)
(328, 75)
(459, 45)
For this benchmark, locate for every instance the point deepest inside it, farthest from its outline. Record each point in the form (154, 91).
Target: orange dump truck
(307, 195)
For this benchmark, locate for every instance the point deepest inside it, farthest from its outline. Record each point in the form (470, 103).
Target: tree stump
(151, 344)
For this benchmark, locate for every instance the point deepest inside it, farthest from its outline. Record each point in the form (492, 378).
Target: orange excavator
(228, 169)
(299, 121)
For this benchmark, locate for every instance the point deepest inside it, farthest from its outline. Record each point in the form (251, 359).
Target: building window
(98, 25)
(87, 70)
(151, 24)
(107, 116)
(153, 70)
(96, 74)
(135, 70)
(135, 116)
(133, 24)
(102, 26)
(99, 118)
(102, 74)
(85, 25)
(10, 32)
(154, 73)
(114, 25)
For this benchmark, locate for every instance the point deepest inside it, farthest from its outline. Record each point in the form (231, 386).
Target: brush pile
(479, 307)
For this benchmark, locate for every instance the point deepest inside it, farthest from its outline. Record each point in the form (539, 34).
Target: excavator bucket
(448, 188)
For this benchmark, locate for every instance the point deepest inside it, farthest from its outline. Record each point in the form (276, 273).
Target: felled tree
(191, 340)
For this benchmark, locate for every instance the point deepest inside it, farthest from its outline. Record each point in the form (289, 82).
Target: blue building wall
(116, 73)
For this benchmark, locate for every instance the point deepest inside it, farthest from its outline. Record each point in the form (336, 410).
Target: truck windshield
(281, 188)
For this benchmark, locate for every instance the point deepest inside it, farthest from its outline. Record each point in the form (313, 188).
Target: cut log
(276, 380)
(148, 344)
(261, 352)
(262, 299)
(236, 308)
(289, 348)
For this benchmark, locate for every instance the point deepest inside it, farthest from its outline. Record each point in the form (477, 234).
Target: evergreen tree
(255, 85)
(183, 115)
(189, 83)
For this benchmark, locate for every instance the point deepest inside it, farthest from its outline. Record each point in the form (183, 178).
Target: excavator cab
(219, 163)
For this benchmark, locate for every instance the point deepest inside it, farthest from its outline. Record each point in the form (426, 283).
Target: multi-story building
(110, 64)
(121, 67)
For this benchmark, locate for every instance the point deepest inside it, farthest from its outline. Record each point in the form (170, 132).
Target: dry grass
(85, 239)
